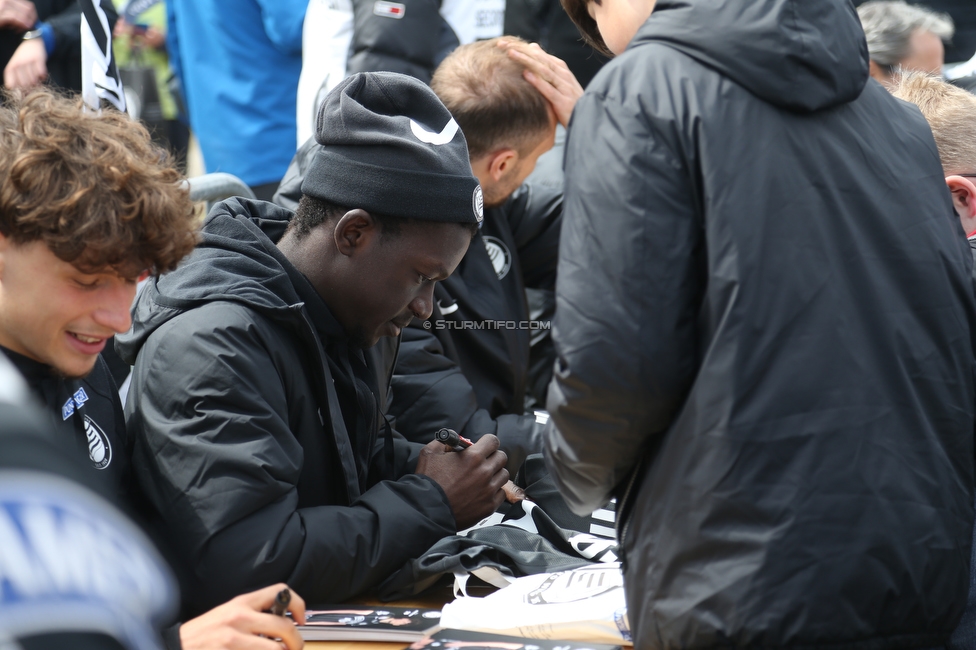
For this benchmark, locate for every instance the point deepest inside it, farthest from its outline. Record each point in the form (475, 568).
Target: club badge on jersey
(99, 445)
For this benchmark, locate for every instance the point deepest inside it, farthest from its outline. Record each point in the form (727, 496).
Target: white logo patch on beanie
(446, 135)
(478, 204)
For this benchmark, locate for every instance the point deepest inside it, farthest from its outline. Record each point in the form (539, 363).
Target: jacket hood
(803, 55)
(236, 260)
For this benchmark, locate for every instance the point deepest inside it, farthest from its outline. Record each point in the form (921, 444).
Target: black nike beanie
(390, 146)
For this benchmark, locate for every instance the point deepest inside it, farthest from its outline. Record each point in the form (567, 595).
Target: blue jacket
(238, 62)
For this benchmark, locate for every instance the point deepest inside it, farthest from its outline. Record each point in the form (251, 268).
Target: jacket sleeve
(429, 392)
(217, 459)
(535, 214)
(66, 25)
(631, 264)
(283, 20)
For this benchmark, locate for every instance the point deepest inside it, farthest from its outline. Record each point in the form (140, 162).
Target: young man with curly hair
(88, 206)
(86, 211)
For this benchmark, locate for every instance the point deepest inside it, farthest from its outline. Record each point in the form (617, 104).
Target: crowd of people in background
(751, 227)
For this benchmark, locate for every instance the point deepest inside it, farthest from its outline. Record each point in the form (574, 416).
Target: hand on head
(238, 623)
(549, 75)
(473, 479)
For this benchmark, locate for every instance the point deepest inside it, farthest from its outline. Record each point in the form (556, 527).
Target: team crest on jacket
(500, 256)
(99, 447)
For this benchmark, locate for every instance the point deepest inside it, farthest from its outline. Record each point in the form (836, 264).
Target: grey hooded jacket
(764, 330)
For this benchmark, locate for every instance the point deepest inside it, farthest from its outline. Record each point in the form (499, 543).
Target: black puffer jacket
(764, 330)
(241, 441)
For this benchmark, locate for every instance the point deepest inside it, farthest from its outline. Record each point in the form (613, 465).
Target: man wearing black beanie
(258, 437)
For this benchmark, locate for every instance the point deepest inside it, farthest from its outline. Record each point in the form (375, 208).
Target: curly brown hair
(585, 23)
(93, 187)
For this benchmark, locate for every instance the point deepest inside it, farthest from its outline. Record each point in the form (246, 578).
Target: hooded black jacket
(764, 322)
(255, 471)
(471, 380)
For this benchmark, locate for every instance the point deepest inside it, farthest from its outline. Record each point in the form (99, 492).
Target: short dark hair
(93, 187)
(313, 212)
(490, 99)
(585, 23)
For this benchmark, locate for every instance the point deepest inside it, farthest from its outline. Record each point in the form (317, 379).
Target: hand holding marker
(281, 602)
(452, 439)
(456, 442)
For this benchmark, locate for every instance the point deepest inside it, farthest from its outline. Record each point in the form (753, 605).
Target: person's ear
(501, 163)
(963, 200)
(355, 230)
(878, 73)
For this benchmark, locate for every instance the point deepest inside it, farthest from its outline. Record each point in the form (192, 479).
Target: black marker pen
(281, 602)
(452, 439)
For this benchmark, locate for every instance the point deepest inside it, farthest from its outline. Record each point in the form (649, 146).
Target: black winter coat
(764, 322)
(240, 443)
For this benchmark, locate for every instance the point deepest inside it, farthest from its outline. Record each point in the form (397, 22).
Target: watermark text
(487, 325)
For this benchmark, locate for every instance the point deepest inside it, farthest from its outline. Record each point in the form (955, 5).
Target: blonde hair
(951, 113)
(494, 105)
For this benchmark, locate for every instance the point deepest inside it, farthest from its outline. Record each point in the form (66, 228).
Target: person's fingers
(552, 68)
(297, 608)
(546, 89)
(498, 482)
(262, 599)
(486, 445)
(513, 493)
(253, 642)
(275, 627)
(499, 479)
(533, 63)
